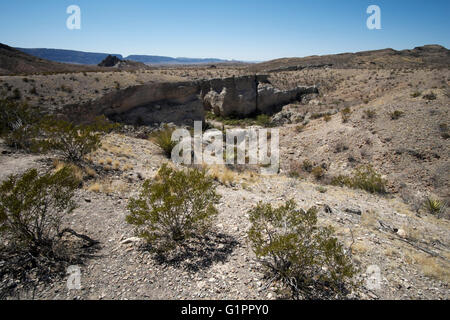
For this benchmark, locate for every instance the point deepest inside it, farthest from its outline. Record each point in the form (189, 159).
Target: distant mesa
(110, 61)
(94, 58)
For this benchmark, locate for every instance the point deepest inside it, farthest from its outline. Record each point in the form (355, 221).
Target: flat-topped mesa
(185, 102)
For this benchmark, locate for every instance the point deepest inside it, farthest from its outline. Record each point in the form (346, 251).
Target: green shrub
(32, 206)
(163, 139)
(263, 120)
(74, 141)
(365, 178)
(18, 124)
(175, 206)
(304, 257)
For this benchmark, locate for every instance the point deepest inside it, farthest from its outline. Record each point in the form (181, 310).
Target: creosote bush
(18, 124)
(175, 206)
(32, 207)
(365, 178)
(304, 257)
(74, 141)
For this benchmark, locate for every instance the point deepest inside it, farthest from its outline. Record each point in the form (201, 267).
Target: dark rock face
(109, 61)
(153, 103)
(185, 102)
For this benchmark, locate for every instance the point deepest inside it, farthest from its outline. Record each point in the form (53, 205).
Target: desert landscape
(383, 111)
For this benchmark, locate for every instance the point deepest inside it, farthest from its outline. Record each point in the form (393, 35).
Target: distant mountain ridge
(68, 56)
(94, 58)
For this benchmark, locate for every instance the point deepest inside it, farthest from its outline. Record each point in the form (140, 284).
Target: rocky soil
(410, 247)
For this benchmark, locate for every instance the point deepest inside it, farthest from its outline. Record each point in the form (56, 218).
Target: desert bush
(18, 124)
(304, 257)
(365, 178)
(416, 94)
(74, 141)
(163, 139)
(175, 206)
(32, 207)
(396, 114)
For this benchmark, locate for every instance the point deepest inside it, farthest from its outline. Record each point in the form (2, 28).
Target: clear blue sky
(230, 29)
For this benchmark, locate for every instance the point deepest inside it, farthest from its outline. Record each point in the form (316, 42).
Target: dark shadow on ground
(198, 252)
(23, 271)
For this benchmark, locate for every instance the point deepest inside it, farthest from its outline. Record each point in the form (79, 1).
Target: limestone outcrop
(185, 102)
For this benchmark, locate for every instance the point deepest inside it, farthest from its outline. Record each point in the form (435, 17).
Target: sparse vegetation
(32, 207)
(262, 120)
(74, 141)
(370, 114)
(304, 257)
(163, 139)
(396, 114)
(318, 172)
(430, 96)
(18, 125)
(345, 114)
(365, 178)
(307, 166)
(173, 207)
(434, 206)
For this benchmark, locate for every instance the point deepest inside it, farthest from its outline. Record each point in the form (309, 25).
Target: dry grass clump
(432, 267)
(369, 219)
(228, 177)
(127, 166)
(108, 186)
(117, 150)
(78, 173)
(222, 174)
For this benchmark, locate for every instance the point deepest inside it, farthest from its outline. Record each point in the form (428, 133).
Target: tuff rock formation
(184, 102)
